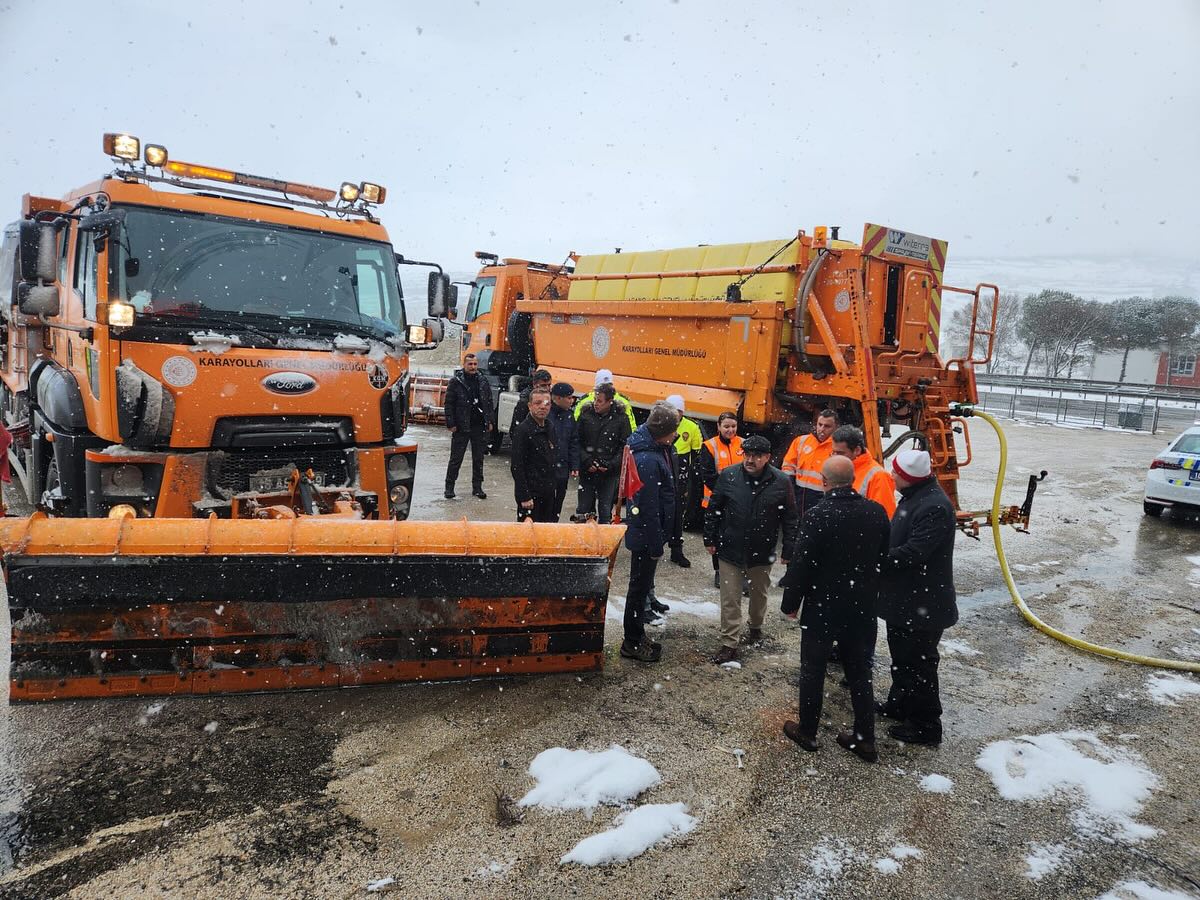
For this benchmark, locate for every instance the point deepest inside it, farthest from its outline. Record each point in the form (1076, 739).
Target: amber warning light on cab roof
(128, 149)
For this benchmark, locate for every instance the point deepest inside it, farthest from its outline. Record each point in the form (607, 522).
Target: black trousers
(543, 509)
(597, 493)
(806, 499)
(683, 478)
(459, 439)
(914, 696)
(560, 494)
(814, 657)
(641, 582)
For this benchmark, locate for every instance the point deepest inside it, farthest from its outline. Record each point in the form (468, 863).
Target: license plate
(276, 483)
(1194, 475)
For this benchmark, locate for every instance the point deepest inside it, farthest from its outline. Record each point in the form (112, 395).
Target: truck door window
(481, 299)
(85, 276)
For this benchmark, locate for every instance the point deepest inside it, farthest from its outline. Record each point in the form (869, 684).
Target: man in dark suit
(918, 599)
(835, 572)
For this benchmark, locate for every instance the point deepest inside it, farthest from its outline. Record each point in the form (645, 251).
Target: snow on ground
(936, 784)
(1107, 785)
(704, 609)
(494, 869)
(1044, 859)
(1164, 689)
(632, 834)
(732, 664)
(1190, 650)
(150, 712)
(1141, 890)
(891, 864)
(581, 779)
(952, 647)
(380, 884)
(887, 866)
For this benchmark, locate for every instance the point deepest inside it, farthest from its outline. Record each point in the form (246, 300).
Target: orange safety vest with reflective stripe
(804, 459)
(872, 481)
(723, 455)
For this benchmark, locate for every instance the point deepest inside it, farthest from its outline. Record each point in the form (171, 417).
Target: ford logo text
(289, 383)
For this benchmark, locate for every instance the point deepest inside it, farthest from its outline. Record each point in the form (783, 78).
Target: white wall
(1142, 367)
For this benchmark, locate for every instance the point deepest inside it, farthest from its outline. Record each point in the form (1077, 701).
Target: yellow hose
(1016, 595)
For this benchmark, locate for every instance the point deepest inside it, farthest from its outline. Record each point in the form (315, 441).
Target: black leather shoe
(792, 730)
(449, 495)
(864, 750)
(480, 494)
(910, 734)
(658, 607)
(679, 559)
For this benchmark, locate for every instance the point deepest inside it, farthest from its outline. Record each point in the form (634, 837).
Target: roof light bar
(122, 146)
(191, 170)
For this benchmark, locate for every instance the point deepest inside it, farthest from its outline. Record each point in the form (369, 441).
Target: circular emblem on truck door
(377, 375)
(289, 383)
(178, 371)
(601, 341)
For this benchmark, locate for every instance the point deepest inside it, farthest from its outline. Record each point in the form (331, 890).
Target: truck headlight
(120, 314)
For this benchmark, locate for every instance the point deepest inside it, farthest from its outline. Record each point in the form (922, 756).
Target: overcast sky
(1014, 129)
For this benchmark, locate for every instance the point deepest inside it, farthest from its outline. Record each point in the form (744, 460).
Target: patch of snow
(581, 779)
(732, 664)
(1187, 651)
(1164, 689)
(634, 832)
(904, 851)
(1141, 890)
(351, 343)
(1109, 784)
(936, 784)
(211, 728)
(703, 609)
(212, 342)
(380, 884)
(303, 343)
(952, 647)
(1044, 859)
(152, 710)
(494, 869)
(887, 866)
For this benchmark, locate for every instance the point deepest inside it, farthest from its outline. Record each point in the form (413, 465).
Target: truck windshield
(184, 264)
(480, 303)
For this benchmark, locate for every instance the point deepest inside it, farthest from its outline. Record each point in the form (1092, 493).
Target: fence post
(1104, 415)
(1154, 421)
(1037, 406)
(1012, 405)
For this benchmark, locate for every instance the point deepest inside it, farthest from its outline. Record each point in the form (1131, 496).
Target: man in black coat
(534, 457)
(566, 437)
(540, 381)
(469, 417)
(917, 599)
(835, 572)
(750, 504)
(603, 431)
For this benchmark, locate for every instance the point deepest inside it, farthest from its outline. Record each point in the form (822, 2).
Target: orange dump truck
(773, 330)
(205, 373)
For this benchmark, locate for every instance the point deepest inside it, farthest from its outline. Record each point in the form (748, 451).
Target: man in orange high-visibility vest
(871, 480)
(717, 453)
(806, 456)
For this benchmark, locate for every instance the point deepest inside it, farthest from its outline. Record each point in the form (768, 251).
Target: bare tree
(1006, 344)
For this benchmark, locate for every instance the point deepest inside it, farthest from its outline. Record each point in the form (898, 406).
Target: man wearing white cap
(918, 600)
(605, 376)
(687, 449)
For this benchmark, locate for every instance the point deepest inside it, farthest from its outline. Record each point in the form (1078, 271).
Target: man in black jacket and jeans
(835, 572)
(566, 437)
(603, 431)
(749, 505)
(918, 599)
(469, 417)
(534, 456)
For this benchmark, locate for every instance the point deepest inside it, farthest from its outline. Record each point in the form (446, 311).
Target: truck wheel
(53, 485)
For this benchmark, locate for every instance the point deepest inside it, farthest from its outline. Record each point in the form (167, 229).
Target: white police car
(1174, 476)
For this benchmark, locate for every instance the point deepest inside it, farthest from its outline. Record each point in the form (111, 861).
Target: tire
(1152, 509)
(53, 483)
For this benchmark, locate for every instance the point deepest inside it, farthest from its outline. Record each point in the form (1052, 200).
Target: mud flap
(175, 606)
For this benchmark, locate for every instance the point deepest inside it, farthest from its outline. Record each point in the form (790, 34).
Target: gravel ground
(320, 794)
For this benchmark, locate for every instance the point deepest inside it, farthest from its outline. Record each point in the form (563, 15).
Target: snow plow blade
(140, 607)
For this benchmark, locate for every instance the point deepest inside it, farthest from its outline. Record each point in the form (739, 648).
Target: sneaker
(449, 495)
(658, 607)
(864, 750)
(658, 622)
(911, 734)
(752, 636)
(679, 559)
(480, 494)
(643, 651)
(724, 655)
(806, 742)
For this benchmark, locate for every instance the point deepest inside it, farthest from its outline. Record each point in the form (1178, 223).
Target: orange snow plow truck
(774, 331)
(205, 376)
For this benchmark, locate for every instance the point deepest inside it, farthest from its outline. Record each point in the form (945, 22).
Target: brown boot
(752, 636)
(724, 655)
(806, 742)
(864, 750)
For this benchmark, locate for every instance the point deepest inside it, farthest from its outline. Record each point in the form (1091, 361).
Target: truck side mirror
(37, 299)
(452, 312)
(436, 330)
(38, 251)
(439, 293)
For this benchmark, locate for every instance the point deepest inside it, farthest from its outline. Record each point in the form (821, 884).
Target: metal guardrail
(1162, 391)
(1132, 411)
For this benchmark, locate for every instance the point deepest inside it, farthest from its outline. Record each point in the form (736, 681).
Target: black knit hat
(756, 443)
(663, 420)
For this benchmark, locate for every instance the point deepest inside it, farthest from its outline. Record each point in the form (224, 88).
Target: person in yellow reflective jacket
(687, 450)
(806, 456)
(871, 480)
(605, 376)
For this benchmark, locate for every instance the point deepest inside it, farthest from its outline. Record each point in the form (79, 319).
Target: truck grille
(230, 471)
